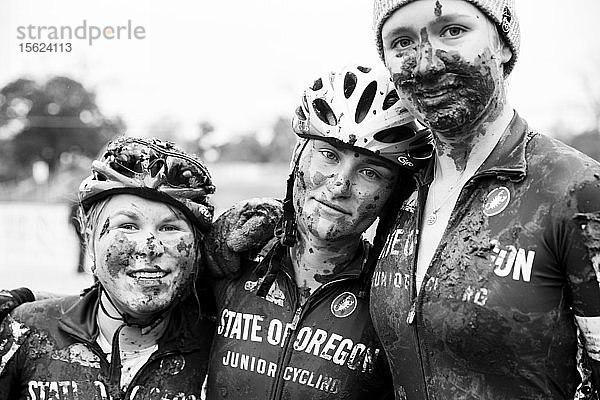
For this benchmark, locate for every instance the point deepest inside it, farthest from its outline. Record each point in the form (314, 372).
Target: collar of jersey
(79, 320)
(507, 161)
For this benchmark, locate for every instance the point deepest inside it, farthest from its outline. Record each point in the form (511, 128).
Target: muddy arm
(581, 262)
(12, 337)
(246, 226)
(10, 299)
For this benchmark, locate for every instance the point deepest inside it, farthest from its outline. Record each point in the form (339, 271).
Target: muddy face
(447, 67)
(338, 193)
(145, 254)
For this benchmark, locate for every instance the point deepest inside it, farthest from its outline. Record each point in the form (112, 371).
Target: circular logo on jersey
(343, 305)
(172, 365)
(496, 201)
(251, 285)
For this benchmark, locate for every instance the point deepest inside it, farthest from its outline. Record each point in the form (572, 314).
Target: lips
(435, 83)
(432, 94)
(333, 206)
(148, 273)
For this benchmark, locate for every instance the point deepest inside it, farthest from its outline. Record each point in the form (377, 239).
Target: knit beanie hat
(500, 12)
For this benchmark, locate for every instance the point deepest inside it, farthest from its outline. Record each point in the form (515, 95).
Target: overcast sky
(241, 63)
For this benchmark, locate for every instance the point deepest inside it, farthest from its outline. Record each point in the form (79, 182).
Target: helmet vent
(300, 113)
(305, 102)
(390, 99)
(396, 134)
(364, 70)
(156, 167)
(422, 152)
(317, 85)
(324, 112)
(365, 102)
(349, 84)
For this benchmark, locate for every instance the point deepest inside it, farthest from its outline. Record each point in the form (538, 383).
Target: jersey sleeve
(12, 336)
(8, 380)
(581, 260)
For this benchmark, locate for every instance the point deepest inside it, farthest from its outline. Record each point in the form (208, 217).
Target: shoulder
(31, 322)
(559, 170)
(544, 152)
(43, 311)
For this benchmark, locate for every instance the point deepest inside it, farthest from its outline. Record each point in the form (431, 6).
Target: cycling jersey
(516, 269)
(48, 350)
(268, 346)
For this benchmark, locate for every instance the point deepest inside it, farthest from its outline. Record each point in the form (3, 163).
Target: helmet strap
(127, 319)
(287, 232)
(114, 371)
(116, 365)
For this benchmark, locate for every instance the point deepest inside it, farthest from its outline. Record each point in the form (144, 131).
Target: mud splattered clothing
(48, 351)
(495, 317)
(268, 346)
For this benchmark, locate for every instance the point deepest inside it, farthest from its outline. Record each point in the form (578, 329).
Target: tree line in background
(49, 123)
(59, 125)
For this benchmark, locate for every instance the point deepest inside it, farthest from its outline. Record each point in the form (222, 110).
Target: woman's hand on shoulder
(246, 226)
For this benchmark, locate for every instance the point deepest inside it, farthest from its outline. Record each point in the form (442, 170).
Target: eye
(371, 173)
(453, 31)
(169, 228)
(328, 154)
(402, 42)
(128, 226)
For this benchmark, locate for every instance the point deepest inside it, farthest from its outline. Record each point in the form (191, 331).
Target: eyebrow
(451, 17)
(125, 213)
(441, 19)
(172, 218)
(395, 32)
(377, 162)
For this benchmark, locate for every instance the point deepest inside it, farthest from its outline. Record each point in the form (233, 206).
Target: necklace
(431, 219)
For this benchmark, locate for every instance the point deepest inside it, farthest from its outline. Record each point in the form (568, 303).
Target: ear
(90, 251)
(498, 44)
(506, 52)
(386, 64)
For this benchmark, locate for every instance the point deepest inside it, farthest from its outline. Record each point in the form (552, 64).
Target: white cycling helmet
(359, 107)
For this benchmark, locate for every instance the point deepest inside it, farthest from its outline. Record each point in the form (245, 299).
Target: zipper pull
(296, 318)
(411, 313)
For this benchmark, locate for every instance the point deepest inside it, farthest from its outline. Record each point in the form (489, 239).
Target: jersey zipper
(417, 297)
(412, 313)
(95, 348)
(287, 350)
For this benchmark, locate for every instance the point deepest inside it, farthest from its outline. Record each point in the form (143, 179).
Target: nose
(340, 185)
(428, 61)
(153, 248)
